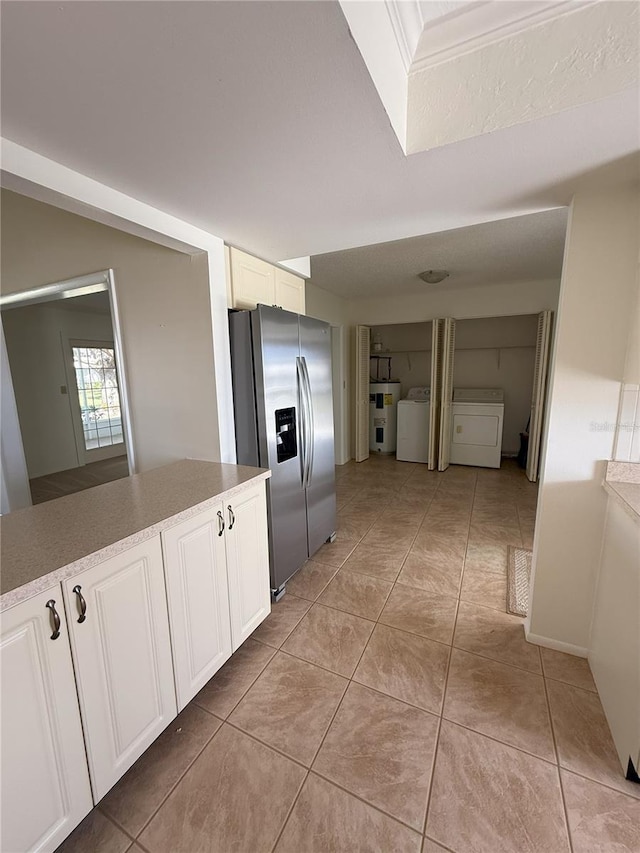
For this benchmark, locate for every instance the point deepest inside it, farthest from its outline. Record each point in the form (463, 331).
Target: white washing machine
(413, 426)
(476, 426)
(383, 404)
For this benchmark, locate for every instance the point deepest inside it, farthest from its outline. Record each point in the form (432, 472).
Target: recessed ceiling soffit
(451, 70)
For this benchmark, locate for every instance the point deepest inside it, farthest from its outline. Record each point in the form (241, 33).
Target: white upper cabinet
(252, 280)
(197, 591)
(289, 291)
(247, 562)
(119, 630)
(255, 281)
(45, 790)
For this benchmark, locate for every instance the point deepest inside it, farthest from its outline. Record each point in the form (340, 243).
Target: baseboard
(557, 645)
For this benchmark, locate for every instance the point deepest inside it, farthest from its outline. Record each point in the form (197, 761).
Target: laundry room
(491, 369)
(400, 371)
(499, 353)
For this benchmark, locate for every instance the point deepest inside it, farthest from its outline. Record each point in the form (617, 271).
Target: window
(97, 382)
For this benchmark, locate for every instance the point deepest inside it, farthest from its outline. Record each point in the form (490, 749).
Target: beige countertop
(622, 482)
(44, 544)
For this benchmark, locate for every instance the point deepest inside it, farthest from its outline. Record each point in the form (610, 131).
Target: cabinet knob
(220, 523)
(51, 604)
(81, 603)
(232, 518)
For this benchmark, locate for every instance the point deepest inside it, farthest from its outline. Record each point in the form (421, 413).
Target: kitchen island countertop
(44, 544)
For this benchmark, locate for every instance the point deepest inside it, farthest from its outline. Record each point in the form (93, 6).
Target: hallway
(389, 703)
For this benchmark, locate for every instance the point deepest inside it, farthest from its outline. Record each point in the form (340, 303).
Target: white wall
(333, 309)
(491, 300)
(409, 345)
(34, 336)
(614, 653)
(166, 318)
(597, 299)
(499, 353)
(14, 483)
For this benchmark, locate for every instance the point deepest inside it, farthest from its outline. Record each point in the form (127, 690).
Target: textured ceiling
(525, 248)
(258, 122)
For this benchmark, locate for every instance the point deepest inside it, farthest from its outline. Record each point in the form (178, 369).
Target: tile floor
(389, 703)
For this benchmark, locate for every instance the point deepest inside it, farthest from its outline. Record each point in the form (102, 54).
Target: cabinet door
(252, 280)
(289, 291)
(122, 656)
(196, 574)
(45, 782)
(247, 562)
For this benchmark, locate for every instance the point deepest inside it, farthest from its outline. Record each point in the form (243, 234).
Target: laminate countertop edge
(128, 493)
(622, 482)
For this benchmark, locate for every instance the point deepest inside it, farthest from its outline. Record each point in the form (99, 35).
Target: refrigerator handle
(302, 410)
(309, 452)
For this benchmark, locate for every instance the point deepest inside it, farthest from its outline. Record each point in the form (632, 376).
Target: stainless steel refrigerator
(283, 405)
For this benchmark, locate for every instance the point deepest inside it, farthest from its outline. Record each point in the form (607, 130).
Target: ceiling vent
(433, 276)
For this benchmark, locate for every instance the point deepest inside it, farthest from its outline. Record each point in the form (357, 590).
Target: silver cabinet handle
(51, 604)
(220, 523)
(81, 602)
(232, 518)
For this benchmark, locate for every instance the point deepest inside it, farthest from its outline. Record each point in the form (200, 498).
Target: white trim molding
(556, 645)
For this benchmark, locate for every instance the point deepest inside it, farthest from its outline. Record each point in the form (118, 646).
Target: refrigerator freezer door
(315, 351)
(275, 348)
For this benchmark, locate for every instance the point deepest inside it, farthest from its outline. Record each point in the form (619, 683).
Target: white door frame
(12, 446)
(339, 364)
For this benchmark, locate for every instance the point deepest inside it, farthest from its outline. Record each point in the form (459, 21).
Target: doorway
(69, 389)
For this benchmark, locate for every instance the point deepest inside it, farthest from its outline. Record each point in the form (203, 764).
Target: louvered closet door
(362, 392)
(446, 392)
(543, 350)
(436, 382)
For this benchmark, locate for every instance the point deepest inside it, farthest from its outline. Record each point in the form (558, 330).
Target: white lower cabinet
(119, 628)
(247, 562)
(45, 783)
(217, 573)
(198, 595)
(91, 668)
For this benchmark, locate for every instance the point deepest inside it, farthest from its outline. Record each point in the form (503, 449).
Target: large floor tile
(486, 557)
(229, 684)
(330, 638)
(405, 666)
(326, 819)
(401, 538)
(495, 635)
(429, 846)
(422, 572)
(285, 615)
(290, 706)
(378, 562)
(97, 834)
(309, 581)
(567, 668)
(429, 614)
(381, 750)
(235, 797)
(600, 820)
(500, 701)
(495, 532)
(335, 553)
(136, 797)
(444, 546)
(582, 734)
(490, 798)
(486, 588)
(356, 593)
